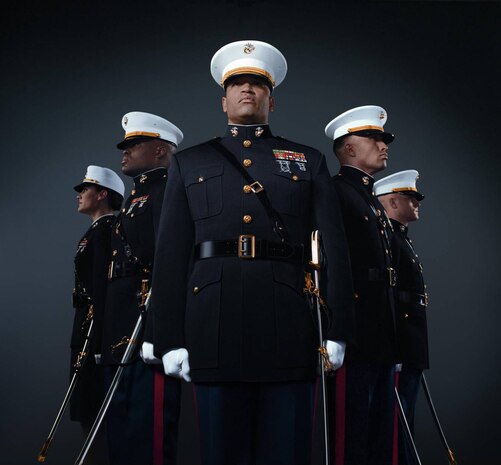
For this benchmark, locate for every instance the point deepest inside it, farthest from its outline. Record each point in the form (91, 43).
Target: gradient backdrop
(70, 70)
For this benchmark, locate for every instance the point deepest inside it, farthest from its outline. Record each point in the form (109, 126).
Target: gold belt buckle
(246, 242)
(256, 187)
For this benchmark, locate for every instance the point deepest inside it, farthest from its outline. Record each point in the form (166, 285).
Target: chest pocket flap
(204, 189)
(290, 192)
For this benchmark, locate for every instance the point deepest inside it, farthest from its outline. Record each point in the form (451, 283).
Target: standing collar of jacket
(250, 132)
(358, 177)
(397, 226)
(149, 176)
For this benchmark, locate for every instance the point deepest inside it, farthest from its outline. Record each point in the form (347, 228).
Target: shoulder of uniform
(195, 147)
(104, 221)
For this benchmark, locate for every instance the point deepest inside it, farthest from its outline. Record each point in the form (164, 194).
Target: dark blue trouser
(408, 388)
(255, 423)
(130, 418)
(369, 409)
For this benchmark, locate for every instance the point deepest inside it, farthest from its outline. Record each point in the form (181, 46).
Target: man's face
(247, 100)
(371, 153)
(139, 157)
(408, 207)
(88, 201)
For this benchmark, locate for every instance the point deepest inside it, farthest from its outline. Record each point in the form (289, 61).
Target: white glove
(97, 358)
(398, 368)
(335, 352)
(176, 364)
(147, 354)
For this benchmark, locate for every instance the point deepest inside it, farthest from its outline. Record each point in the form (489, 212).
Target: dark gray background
(70, 70)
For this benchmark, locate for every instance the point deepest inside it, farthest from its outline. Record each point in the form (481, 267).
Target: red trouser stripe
(395, 425)
(315, 402)
(340, 410)
(158, 419)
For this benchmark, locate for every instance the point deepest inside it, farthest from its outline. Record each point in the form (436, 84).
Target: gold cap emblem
(249, 48)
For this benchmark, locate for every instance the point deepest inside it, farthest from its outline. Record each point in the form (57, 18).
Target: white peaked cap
(248, 57)
(361, 121)
(103, 177)
(140, 124)
(403, 181)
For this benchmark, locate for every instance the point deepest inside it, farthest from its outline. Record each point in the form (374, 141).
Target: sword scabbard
(452, 460)
(44, 450)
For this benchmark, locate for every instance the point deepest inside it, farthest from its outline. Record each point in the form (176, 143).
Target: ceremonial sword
(314, 289)
(405, 424)
(82, 356)
(131, 342)
(450, 455)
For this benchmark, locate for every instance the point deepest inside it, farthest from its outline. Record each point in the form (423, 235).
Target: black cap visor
(387, 137)
(417, 195)
(131, 141)
(80, 186)
(256, 77)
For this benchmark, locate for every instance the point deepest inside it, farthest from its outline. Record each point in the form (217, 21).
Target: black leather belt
(407, 297)
(123, 269)
(248, 247)
(387, 275)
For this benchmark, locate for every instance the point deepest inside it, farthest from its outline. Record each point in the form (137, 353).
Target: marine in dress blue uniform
(228, 304)
(401, 199)
(363, 423)
(142, 421)
(99, 194)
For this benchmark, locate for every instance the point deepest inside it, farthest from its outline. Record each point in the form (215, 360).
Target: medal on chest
(82, 245)
(285, 158)
(138, 202)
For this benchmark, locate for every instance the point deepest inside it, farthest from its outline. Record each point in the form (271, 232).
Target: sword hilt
(325, 358)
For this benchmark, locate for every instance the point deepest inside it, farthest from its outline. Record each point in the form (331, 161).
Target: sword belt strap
(248, 247)
(257, 188)
(409, 297)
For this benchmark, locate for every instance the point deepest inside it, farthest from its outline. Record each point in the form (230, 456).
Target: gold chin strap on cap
(128, 135)
(95, 181)
(248, 70)
(365, 128)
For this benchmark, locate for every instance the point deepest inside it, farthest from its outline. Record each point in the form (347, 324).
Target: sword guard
(80, 358)
(327, 365)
